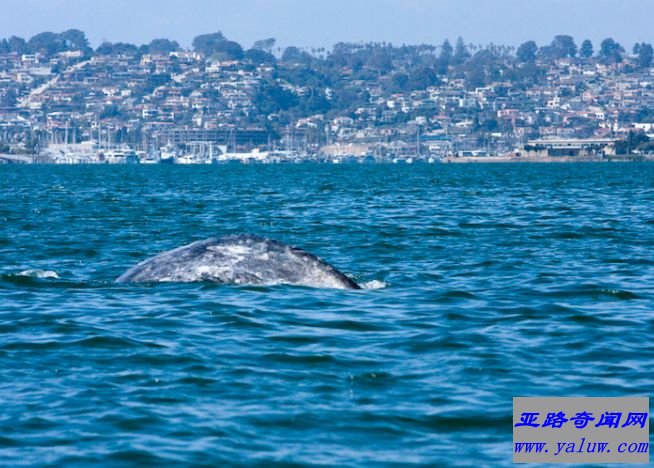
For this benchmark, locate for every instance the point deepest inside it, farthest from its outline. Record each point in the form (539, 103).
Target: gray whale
(239, 260)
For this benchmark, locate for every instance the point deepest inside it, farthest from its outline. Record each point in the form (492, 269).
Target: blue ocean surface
(483, 282)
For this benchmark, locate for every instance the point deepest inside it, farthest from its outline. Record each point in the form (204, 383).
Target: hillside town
(62, 101)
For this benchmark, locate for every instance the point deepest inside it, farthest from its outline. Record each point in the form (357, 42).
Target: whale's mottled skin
(240, 260)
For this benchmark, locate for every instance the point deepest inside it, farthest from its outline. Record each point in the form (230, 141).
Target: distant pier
(16, 159)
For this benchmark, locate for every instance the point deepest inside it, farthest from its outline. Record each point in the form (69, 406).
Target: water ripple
(482, 283)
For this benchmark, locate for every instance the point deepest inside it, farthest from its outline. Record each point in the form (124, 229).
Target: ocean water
(485, 282)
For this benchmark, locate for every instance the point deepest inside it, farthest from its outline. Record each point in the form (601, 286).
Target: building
(570, 147)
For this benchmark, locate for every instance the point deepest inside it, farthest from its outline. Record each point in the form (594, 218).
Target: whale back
(239, 260)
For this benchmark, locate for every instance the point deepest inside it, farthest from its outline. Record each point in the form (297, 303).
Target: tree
(445, 58)
(564, 46)
(162, 46)
(125, 48)
(632, 142)
(611, 51)
(119, 48)
(586, 50)
(461, 53)
(315, 103)
(110, 111)
(46, 43)
(381, 61)
(106, 48)
(527, 52)
(645, 54)
(422, 78)
(265, 45)
(272, 98)
(217, 44)
(475, 78)
(400, 82)
(74, 39)
(259, 56)
(49, 43)
(293, 54)
(17, 44)
(206, 43)
(351, 97)
(229, 50)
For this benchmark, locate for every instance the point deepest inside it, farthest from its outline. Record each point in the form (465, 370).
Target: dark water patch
(517, 313)
(114, 341)
(592, 291)
(37, 423)
(25, 281)
(68, 252)
(352, 325)
(134, 457)
(453, 297)
(130, 424)
(295, 339)
(162, 400)
(157, 360)
(100, 342)
(567, 235)
(246, 321)
(488, 225)
(585, 320)
(376, 379)
(453, 316)
(197, 381)
(442, 232)
(618, 294)
(445, 343)
(8, 442)
(308, 359)
(441, 422)
(293, 421)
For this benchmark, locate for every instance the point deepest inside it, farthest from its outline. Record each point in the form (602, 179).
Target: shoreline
(452, 160)
(544, 159)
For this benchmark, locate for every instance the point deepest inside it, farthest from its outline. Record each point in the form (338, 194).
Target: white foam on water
(374, 284)
(40, 274)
